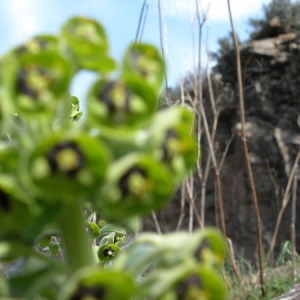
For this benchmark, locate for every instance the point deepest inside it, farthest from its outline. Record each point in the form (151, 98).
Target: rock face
(271, 80)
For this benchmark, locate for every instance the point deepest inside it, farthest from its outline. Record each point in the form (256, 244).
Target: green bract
(115, 233)
(118, 107)
(76, 114)
(93, 230)
(176, 271)
(108, 252)
(198, 284)
(85, 41)
(99, 284)
(136, 184)
(16, 211)
(7, 66)
(171, 140)
(22, 216)
(40, 81)
(60, 173)
(143, 62)
(38, 44)
(68, 166)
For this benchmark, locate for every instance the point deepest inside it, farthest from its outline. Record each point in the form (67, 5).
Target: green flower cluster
(120, 159)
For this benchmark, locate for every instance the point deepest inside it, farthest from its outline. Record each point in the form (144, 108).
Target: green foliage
(287, 11)
(60, 169)
(278, 277)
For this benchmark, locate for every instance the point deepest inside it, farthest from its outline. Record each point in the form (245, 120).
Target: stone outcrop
(271, 80)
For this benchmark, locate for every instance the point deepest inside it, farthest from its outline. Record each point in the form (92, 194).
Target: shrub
(119, 160)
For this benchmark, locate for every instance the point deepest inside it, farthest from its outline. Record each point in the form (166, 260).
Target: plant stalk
(77, 245)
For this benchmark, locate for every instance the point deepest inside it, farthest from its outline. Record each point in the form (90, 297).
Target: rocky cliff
(271, 80)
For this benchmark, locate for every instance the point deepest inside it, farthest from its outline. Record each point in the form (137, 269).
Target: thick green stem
(78, 247)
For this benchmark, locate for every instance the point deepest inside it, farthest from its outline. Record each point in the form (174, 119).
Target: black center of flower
(23, 86)
(42, 43)
(65, 158)
(109, 252)
(167, 153)
(115, 95)
(5, 203)
(205, 244)
(32, 80)
(183, 287)
(89, 292)
(136, 62)
(124, 180)
(21, 50)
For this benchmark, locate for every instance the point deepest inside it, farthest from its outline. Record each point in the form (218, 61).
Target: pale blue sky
(21, 19)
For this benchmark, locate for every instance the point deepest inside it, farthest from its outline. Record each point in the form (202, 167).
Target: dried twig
(246, 152)
(182, 205)
(284, 204)
(157, 226)
(293, 227)
(141, 22)
(190, 189)
(163, 49)
(210, 136)
(191, 201)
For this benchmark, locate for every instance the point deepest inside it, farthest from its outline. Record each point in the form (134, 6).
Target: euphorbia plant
(62, 175)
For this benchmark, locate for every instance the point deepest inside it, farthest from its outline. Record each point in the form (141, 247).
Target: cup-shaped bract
(98, 284)
(67, 165)
(201, 284)
(21, 215)
(183, 282)
(211, 250)
(39, 81)
(19, 203)
(108, 252)
(9, 157)
(118, 107)
(17, 211)
(7, 109)
(38, 44)
(204, 247)
(144, 63)
(113, 233)
(172, 141)
(136, 184)
(86, 41)
(29, 75)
